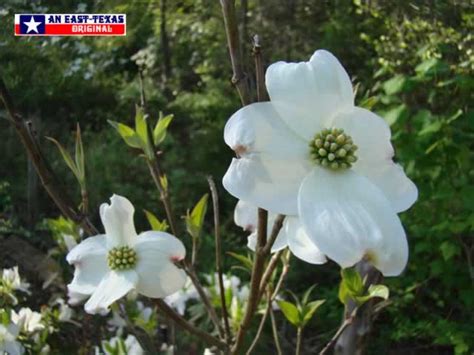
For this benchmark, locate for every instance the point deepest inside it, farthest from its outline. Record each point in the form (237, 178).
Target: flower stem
(275, 332)
(217, 236)
(298, 340)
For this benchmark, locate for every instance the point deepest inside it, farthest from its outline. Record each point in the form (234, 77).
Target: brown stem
(202, 294)
(239, 78)
(217, 236)
(275, 332)
(338, 333)
(271, 297)
(262, 94)
(277, 225)
(183, 323)
(42, 167)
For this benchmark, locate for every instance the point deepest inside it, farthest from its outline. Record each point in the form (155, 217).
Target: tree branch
(47, 176)
(183, 323)
(239, 78)
(217, 235)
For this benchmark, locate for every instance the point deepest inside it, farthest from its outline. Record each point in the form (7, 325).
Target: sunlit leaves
(155, 223)
(352, 288)
(195, 218)
(159, 133)
(302, 311)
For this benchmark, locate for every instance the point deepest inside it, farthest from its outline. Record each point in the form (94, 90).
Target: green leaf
(431, 128)
(306, 295)
(396, 114)
(369, 102)
(290, 312)
(155, 223)
(380, 291)
(395, 85)
(195, 220)
(141, 125)
(159, 133)
(79, 155)
(310, 309)
(246, 261)
(127, 134)
(449, 250)
(351, 285)
(67, 158)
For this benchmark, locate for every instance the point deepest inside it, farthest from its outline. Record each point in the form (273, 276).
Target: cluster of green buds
(121, 258)
(333, 149)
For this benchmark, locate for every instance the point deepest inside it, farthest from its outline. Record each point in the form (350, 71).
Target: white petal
(258, 128)
(306, 93)
(90, 261)
(113, 286)
(157, 252)
(117, 219)
(300, 243)
(267, 182)
(280, 242)
(348, 218)
(246, 216)
(372, 135)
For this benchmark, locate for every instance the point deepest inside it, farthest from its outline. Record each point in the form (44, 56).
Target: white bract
(12, 280)
(27, 320)
(292, 233)
(179, 299)
(8, 343)
(310, 152)
(111, 265)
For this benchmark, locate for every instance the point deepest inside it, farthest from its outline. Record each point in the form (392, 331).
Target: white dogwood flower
(311, 152)
(11, 279)
(27, 320)
(292, 233)
(8, 343)
(111, 265)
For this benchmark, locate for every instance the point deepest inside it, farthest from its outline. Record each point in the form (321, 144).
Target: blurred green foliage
(411, 61)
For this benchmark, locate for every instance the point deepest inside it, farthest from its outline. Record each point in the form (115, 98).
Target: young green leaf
(141, 125)
(159, 133)
(290, 312)
(155, 223)
(243, 259)
(127, 134)
(309, 310)
(67, 158)
(380, 291)
(353, 281)
(195, 219)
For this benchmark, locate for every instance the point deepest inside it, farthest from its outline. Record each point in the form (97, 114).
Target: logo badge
(70, 24)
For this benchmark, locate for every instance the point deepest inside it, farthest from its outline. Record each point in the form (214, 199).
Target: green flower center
(333, 149)
(121, 258)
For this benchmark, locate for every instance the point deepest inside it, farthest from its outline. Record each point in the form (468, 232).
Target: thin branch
(277, 225)
(271, 297)
(183, 323)
(262, 94)
(217, 235)
(332, 342)
(269, 272)
(202, 294)
(47, 176)
(239, 78)
(275, 332)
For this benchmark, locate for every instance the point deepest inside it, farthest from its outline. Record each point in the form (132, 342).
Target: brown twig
(42, 167)
(239, 78)
(271, 297)
(332, 342)
(277, 225)
(217, 236)
(202, 294)
(183, 323)
(262, 94)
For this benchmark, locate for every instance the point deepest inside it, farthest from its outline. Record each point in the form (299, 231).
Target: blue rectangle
(32, 24)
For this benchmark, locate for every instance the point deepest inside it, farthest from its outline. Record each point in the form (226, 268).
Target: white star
(32, 25)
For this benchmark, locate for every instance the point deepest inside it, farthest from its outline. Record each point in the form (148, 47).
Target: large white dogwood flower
(292, 233)
(310, 152)
(8, 342)
(111, 265)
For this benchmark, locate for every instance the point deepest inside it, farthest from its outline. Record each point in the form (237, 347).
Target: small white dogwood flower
(310, 152)
(27, 320)
(292, 233)
(179, 299)
(11, 279)
(111, 265)
(8, 343)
